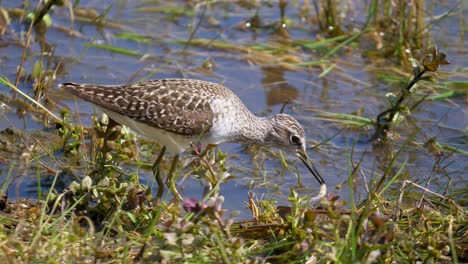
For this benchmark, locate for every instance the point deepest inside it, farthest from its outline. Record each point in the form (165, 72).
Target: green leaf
(132, 217)
(115, 49)
(135, 37)
(104, 182)
(327, 70)
(447, 95)
(37, 69)
(74, 187)
(453, 149)
(47, 20)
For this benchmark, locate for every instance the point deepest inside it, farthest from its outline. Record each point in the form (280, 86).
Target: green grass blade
(115, 49)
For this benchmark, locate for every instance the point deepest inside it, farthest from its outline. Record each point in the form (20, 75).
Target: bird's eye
(295, 140)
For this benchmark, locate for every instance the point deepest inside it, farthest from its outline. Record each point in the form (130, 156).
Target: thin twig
(197, 26)
(6, 82)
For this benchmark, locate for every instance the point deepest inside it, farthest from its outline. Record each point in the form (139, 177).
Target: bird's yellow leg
(157, 172)
(171, 179)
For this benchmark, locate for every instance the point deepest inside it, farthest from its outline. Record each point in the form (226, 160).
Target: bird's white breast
(174, 143)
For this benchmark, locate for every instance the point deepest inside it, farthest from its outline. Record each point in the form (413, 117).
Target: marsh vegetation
(380, 87)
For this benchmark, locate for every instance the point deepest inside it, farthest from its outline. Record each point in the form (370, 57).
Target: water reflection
(277, 90)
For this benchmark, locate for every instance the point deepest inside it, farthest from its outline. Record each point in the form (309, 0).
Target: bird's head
(288, 134)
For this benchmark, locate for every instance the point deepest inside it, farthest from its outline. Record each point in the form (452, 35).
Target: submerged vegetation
(94, 195)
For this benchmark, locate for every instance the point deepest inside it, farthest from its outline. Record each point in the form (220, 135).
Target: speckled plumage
(172, 105)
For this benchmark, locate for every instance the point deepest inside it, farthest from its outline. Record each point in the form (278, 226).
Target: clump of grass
(70, 134)
(111, 146)
(378, 229)
(329, 17)
(404, 25)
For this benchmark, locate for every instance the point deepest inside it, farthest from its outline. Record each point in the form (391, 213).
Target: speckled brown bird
(177, 112)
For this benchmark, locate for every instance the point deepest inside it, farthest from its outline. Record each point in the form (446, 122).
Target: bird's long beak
(308, 163)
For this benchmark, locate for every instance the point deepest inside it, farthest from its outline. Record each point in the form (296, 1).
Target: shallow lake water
(355, 82)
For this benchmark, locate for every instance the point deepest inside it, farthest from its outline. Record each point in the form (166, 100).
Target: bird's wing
(177, 105)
